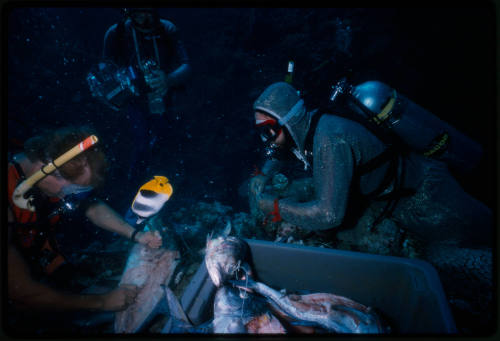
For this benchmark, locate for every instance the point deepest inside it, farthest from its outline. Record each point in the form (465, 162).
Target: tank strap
(390, 153)
(386, 111)
(136, 45)
(157, 54)
(391, 156)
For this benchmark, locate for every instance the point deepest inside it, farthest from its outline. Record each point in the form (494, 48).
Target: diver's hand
(159, 82)
(255, 191)
(265, 202)
(120, 298)
(151, 239)
(256, 186)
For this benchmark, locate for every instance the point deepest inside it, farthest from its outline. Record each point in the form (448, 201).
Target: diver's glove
(257, 184)
(255, 192)
(268, 204)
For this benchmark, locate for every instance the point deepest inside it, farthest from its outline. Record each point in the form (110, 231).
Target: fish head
(248, 284)
(225, 258)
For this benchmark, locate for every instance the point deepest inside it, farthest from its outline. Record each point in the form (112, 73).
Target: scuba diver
(355, 157)
(47, 181)
(151, 49)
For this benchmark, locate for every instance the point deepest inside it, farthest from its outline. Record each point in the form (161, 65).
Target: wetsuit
(162, 43)
(439, 209)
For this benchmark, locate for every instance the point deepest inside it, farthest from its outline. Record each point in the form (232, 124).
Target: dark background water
(442, 58)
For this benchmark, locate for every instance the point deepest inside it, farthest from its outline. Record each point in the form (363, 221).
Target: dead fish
(229, 312)
(148, 269)
(224, 256)
(266, 323)
(236, 314)
(334, 313)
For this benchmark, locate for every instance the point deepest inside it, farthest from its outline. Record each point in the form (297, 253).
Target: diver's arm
(183, 71)
(271, 167)
(106, 218)
(179, 75)
(333, 164)
(257, 183)
(26, 293)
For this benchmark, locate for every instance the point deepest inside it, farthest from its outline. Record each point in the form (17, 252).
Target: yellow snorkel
(26, 202)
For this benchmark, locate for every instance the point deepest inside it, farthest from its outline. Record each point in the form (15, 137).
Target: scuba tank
(417, 127)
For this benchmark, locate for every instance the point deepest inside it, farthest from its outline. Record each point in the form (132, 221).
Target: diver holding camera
(143, 64)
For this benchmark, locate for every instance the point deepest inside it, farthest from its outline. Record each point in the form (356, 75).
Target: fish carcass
(149, 269)
(334, 313)
(224, 256)
(243, 313)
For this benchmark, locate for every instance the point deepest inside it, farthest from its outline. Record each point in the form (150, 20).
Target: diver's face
(143, 20)
(53, 185)
(261, 119)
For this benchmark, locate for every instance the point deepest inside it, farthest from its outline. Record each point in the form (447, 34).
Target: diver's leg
(442, 211)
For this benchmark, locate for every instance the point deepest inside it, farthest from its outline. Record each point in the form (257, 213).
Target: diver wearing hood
(350, 161)
(151, 47)
(143, 37)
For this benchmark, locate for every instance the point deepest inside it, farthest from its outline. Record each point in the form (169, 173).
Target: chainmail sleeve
(332, 174)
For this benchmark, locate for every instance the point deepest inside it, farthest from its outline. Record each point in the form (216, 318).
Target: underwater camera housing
(112, 85)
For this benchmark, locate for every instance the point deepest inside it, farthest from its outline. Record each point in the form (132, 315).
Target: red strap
(269, 121)
(276, 212)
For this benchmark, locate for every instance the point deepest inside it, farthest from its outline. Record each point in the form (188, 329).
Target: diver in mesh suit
(425, 197)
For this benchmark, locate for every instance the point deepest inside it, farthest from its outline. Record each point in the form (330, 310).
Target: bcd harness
(392, 156)
(34, 232)
(121, 46)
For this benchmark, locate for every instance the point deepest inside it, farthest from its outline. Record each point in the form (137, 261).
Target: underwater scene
(265, 171)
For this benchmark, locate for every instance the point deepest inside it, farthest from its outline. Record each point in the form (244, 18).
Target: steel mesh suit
(438, 210)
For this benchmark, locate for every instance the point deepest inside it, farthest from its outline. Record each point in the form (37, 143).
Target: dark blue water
(444, 59)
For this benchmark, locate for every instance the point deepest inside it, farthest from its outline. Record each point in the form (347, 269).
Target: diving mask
(76, 190)
(269, 130)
